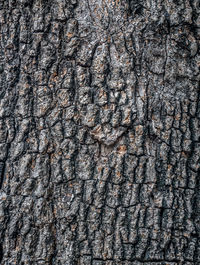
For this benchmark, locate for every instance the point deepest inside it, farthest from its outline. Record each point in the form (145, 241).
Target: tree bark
(99, 132)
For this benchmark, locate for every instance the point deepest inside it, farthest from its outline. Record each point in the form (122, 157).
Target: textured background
(99, 132)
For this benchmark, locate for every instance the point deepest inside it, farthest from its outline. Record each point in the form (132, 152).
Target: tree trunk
(99, 132)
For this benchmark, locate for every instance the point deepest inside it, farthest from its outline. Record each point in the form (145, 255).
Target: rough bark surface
(99, 132)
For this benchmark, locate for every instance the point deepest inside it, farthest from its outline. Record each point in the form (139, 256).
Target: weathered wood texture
(99, 132)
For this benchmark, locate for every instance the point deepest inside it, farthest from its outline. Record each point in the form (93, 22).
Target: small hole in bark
(1, 253)
(138, 11)
(1, 69)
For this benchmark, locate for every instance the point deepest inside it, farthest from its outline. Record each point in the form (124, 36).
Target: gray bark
(99, 132)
